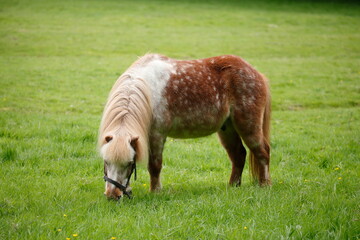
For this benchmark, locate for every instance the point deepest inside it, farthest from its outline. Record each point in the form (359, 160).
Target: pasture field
(58, 61)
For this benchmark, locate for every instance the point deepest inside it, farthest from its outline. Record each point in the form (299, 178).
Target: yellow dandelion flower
(337, 168)
(75, 235)
(113, 238)
(339, 178)
(68, 238)
(59, 230)
(144, 185)
(245, 228)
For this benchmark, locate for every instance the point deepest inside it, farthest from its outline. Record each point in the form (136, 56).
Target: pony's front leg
(155, 161)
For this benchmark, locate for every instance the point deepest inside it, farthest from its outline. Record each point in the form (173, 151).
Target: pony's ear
(108, 138)
(133, 142)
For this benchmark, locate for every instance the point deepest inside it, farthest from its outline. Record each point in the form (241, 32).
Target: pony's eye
(108, 139)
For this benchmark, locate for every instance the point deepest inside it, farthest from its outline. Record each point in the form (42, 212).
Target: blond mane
(128, 112)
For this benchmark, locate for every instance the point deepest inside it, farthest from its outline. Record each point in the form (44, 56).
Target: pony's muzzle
(113, 193)
(116, 193)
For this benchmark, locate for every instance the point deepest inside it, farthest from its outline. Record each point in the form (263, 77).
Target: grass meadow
(59, 60)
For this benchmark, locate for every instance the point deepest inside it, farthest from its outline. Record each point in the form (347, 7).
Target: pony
(158, 96)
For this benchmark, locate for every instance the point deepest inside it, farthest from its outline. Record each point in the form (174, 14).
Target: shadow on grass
(193, 192)
(308, 6)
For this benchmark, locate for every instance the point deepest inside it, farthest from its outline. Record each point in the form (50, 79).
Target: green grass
(58, 61)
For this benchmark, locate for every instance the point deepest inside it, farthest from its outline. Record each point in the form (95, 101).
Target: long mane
(128, 111)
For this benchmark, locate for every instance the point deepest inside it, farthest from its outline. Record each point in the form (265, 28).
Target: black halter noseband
(120, 186)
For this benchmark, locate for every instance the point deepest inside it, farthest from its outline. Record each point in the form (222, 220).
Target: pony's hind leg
(235, 150)
(252, 133)
(260, 161)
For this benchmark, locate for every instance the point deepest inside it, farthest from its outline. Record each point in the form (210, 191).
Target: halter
(120, 186)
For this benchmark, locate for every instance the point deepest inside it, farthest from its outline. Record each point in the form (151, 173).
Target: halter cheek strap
(120, 186)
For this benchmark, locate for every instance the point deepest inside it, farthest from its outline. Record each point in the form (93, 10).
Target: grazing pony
(158, 97)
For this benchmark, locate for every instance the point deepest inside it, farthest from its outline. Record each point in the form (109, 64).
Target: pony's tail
(255, 166)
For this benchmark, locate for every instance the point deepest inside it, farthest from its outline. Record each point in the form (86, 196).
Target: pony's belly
(198, 119)
(190, 133)
(185, 127)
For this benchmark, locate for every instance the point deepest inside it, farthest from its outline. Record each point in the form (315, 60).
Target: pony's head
(119, 154)
(124, 129)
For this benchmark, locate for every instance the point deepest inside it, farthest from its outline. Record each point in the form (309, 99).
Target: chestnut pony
(158, 97)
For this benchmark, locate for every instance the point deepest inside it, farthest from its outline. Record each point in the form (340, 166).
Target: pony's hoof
(265, 183)
(155, 189)
(235, 184)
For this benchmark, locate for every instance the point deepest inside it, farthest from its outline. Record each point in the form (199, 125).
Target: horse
(158, 96)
